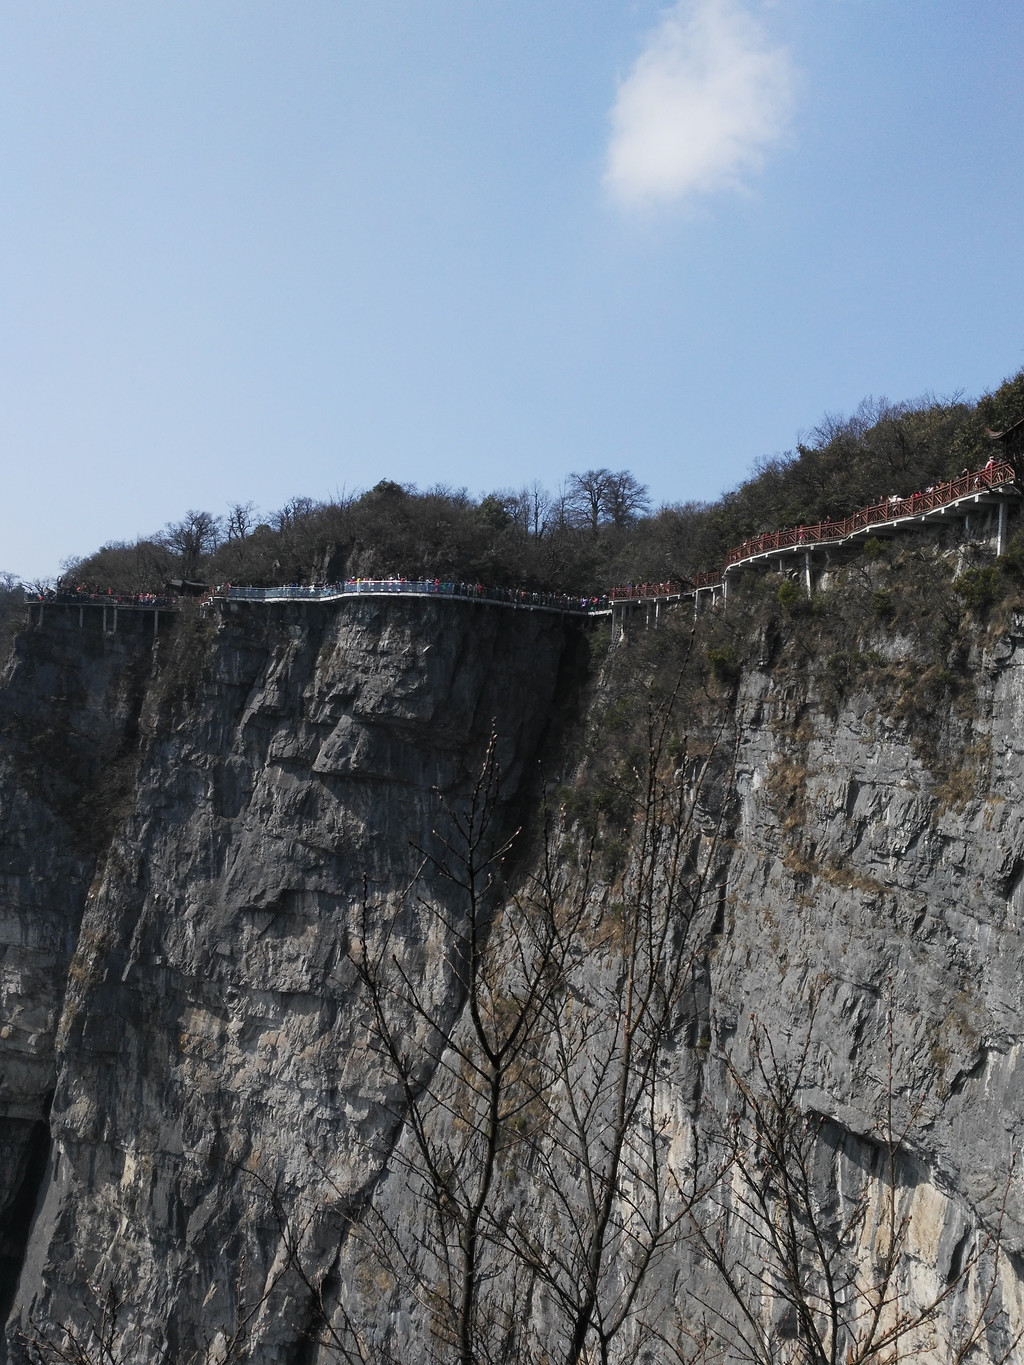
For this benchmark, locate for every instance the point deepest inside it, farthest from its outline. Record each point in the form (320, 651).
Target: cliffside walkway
(995, 485)
(110, 613)
(517, 598)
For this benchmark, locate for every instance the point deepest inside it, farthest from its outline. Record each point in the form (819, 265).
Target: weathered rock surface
(876, 907)
(69, 712)
(210, 1037)
(212, 1045)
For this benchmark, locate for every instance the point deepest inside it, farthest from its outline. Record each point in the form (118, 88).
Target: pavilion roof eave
(1010, 433)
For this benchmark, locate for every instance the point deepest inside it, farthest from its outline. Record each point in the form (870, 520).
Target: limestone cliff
(288, 758)
(201, 834)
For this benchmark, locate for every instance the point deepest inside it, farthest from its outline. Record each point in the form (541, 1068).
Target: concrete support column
(1001, 528)
(807, 571)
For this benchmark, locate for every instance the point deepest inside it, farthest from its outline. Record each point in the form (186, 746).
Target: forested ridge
(600, 528)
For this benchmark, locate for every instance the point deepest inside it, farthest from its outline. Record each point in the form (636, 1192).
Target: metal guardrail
(425, 587)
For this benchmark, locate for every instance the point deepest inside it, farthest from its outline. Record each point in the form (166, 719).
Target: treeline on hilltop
(598, 531)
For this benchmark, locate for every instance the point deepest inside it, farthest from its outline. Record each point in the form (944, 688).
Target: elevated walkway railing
(425, 587)
(993, 483)
(141, 601)
(999, 477)
(675, 588)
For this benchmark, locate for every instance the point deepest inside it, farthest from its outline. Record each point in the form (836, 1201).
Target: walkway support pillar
(1001, 528)
(807, 571)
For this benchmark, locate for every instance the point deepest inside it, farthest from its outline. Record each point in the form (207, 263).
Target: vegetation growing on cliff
(596, 530)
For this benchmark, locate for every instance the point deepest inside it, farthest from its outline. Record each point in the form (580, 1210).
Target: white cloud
(704, 100)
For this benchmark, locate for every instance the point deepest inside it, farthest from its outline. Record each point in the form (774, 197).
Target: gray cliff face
(211, 1038)
(208, 1045)
(891, 897)
(68, 715)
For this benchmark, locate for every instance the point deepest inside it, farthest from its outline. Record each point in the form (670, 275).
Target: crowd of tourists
(442, 587)
(82, 594)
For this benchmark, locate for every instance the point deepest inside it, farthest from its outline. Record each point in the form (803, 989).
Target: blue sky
(253, 250)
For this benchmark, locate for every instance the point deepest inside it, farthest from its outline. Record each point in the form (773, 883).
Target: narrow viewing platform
(422, 587)
(102, 610)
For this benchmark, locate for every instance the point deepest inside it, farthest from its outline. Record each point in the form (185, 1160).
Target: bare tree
(537, 1196)
(537, 502)
(626, 498)
(105, 1340)
(192, 539)
(292, 513)
(814, 1265)
(449, 1250)
(587, 497)
(598, 497)
(240, 520)
(615, 1202)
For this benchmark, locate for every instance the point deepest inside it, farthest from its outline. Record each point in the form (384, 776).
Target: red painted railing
(673, 589)
(999, 474)
(892, 509)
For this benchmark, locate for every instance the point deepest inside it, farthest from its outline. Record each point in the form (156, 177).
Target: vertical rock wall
(875, 935)
(69, 708)
(190, 839)
(212, 1046)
